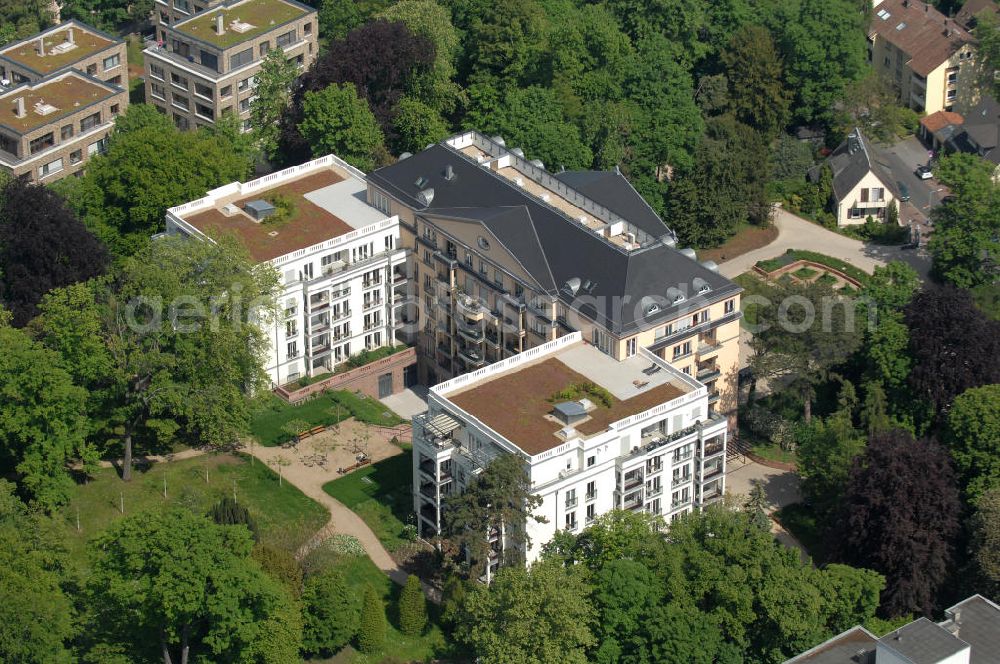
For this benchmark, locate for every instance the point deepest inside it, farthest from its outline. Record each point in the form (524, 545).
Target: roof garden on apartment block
(242, 21)
(48, 101)
(63, 46)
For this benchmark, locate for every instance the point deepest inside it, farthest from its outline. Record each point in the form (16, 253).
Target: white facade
(666, 460)
(869, 197)
(339, 296)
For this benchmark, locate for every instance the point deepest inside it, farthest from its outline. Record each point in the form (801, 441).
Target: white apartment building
(654, 449)
(343, 274)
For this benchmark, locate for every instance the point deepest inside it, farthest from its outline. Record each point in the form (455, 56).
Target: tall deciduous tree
(973, 438)
(900, 518)
(417, 125)
(330, 613)
(529, 616)
(176, 332)
(954, 346)
(336, 120)
(42, 418)
(175, 586)
(826, 450)
(498, 502)
(757, 93)
(43, 245)
(271, 98)
(985, 527)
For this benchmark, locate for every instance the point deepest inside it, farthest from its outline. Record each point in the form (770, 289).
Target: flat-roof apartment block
(168, 12)
(342, 271)
(646, 444)
(51, 127)
(507, 256)
(69, 45)
(204, 66)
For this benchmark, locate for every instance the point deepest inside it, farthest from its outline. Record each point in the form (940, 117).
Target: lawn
(805, 273)
(773, 452)
(360, 572)
(799, 520)
(269, 422)
(381, 494)
(285, 516)
(746, 239)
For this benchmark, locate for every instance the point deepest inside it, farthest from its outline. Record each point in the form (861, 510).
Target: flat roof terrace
(59, 52)
(56, 99)
(517, 404)
(243, 21)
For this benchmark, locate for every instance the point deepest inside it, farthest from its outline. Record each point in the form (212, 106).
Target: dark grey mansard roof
(553, 248)
(613, 191)
(923, 642)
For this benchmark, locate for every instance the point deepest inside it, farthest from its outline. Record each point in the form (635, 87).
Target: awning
(442, 425)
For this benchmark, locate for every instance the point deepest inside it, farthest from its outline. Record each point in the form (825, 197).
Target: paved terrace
(517, 404)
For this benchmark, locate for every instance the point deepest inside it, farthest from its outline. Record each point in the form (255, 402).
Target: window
(571, 498)
(180, 101)
(115, 80)
(158, 91)
(591, 490)
(183, 6)
(878, 194)
(244, 85)
(66, 132)
(181, 121)
(307, 28)
(293, 349)
(50, 168)
(226, 91)
(241, 58)
(571, 521)
(114, 110)
(76, 156)
(41, 143)
(244, 105)
(92, 70)
(591, 460)
(381, 201)
(178, 80)
(210, 60)
(681, 350)
(202, 90)
(9, 145)
(97, 148)
(630, 347)
(730, 306)
(156, 71)
(952, 94)
(285, 39)
(264, 48)
(204, 111)
(291, 328)
(111, 61)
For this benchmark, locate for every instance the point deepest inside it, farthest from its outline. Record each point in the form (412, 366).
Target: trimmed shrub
(329, 613)
(280, 564)
(229, 512)
(412, 608)
(372, 628)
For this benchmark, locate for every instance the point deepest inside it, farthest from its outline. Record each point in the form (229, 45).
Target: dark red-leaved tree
(381, 59)
(43, 245)
(953, 344)
(900, 518)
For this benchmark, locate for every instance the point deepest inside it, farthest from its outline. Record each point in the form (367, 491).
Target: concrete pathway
(794, 232)
(781, 488)
(411, 401)
(189, 453)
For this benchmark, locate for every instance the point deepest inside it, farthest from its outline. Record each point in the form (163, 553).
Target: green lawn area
(773, 452)
(360, 572)
(805, 273)
(827, 279)
(381, 495)
(793, 255)
(799, 520)
(133, 50)
(285, 516)
(268, 424)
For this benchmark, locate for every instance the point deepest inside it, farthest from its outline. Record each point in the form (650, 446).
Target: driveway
(797, 233)
(901, 160)
(781, 487)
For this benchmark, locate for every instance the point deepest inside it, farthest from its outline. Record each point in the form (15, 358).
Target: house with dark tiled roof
(927, 56)
(972, 10)
(862, 186)
(969, 634)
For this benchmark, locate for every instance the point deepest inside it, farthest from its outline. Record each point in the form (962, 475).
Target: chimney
(41, 47)
(219, 27)
(69, 36)
(19, 107)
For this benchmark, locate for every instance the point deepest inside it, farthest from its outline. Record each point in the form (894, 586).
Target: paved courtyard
(411, 401)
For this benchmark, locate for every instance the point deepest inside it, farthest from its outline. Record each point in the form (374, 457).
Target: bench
(344, 471)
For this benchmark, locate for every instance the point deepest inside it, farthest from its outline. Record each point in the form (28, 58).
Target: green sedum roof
(263, 15)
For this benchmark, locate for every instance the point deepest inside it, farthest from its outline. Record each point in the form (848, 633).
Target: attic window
(421, 182)
(883, 14)
(483, 243)
(901, 26)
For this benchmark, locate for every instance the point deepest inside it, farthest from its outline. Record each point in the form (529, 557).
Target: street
(902, 159)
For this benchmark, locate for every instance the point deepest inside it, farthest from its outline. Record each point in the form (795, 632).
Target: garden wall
(363, 379)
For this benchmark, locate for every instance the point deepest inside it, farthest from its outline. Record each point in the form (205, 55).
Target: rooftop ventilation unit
(426, 196)
(517, 151)
(259, 209)
(690, 253)
(229, 209)
(498, 139)
(668, 241)
(546, 198)
(19, 107)
(405, 155)
(519, 182)
(570, 412)
(700, 285)
(421, 182)
(220, 23)
(710, 265)
(589, 286)
(538, 163)
(675, 296)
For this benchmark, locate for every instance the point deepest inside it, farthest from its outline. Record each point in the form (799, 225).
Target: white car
(924, 172)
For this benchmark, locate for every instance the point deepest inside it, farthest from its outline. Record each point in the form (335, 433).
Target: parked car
(904, 192)
(924, 172)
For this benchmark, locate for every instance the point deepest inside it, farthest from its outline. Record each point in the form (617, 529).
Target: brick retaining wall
(363, 379)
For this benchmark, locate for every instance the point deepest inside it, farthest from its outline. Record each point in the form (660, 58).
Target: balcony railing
(571, 502)
(711, 471)
(590, 495)
(713, 449)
